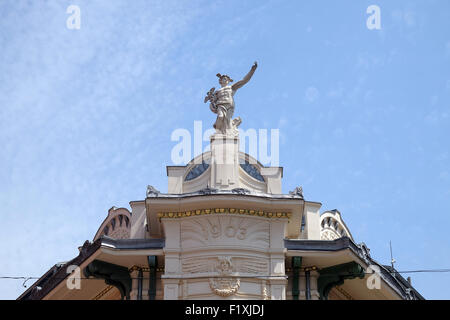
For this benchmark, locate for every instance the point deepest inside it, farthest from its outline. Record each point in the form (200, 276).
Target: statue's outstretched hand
(255, 65)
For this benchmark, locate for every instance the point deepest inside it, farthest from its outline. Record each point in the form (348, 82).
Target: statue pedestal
(224, 161)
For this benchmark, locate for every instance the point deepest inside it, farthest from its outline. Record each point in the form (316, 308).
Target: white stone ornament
(224, 229)
(222, 103)
(224, 286)
(332, 226)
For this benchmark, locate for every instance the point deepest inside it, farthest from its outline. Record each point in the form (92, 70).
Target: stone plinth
(224, 161)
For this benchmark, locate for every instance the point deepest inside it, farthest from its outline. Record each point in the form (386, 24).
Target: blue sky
(86, 115)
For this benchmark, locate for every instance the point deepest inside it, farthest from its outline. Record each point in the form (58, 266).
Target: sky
(86, 115)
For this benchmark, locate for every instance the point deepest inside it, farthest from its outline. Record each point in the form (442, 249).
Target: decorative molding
(196, 265)
(220, 229)
(117, 224)
(249, 265)
(254, 192)
(344, 293)
(120, 233)
(136, 268)
(224, 286)
(329, 235)
(231, 211)
(207, 191)
(332, 226)
(314, 268)
(102, 293)
(145, 269)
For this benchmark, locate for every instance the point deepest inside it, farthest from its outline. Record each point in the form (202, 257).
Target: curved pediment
(332, 226)
(117, 224)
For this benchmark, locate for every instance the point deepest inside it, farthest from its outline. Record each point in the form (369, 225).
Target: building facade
(224, 230)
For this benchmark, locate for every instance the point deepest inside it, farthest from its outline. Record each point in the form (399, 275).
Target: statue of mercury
(222, 102)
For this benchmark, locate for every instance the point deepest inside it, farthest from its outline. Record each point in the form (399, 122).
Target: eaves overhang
(297, 247)
(58, 273)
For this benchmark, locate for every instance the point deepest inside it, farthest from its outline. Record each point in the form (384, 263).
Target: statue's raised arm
(246, 79)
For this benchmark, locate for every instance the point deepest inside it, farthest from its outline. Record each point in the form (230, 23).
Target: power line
(429, 270)
(223, 276)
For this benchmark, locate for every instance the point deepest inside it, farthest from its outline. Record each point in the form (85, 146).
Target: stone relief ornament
(215, 230)
(208, 190)
(224, 286)
(152, 191)
(222, 102)
(240, 191)
(264, 291)
(298, 191)
(120, 233)
(224, 265)
(329, 235)
(242, 265)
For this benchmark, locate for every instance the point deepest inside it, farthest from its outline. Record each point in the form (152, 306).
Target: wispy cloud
(311, 94)
(67, 97)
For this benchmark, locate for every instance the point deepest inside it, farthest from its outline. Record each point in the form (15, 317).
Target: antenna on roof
(392, 259)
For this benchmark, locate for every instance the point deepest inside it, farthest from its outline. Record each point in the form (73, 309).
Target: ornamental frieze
(231, 211)
(224, 230)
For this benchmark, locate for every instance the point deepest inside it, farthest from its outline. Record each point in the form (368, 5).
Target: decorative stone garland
(228, 285)
(144, 269)
(250, 212)
(224, 287)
